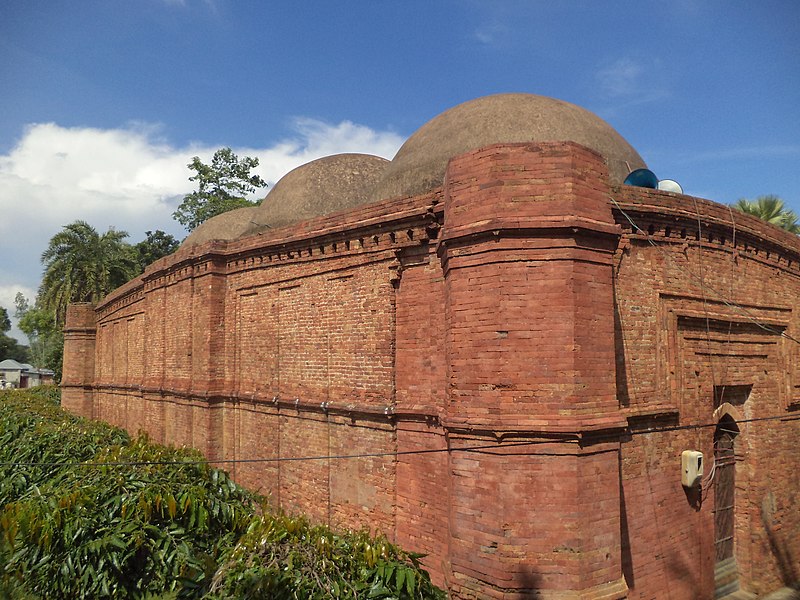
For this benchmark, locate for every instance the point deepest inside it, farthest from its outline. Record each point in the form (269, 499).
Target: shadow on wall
(529, 586)
(787, 566)
(625, 535)
(684, 570)
(619, 348)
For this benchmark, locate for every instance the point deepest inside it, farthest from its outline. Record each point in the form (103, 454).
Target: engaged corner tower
(526, 251)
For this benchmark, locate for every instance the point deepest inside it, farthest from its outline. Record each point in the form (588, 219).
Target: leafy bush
(38, 440)
(88, 512)
(72, 530)
(283, 557)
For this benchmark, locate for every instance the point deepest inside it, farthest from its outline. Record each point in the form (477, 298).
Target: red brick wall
(528, 242)
(688, 297)
(536, 363)
(79, 370)
(153, 358)
(422, 520)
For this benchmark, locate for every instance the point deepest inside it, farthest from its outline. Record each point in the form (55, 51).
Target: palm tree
(772, 210)
(82, 266)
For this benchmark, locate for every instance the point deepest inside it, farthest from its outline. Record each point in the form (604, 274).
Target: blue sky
(104, 102)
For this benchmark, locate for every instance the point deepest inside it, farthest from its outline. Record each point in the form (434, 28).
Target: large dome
(227, 226)
(420, 164)
(321, 187)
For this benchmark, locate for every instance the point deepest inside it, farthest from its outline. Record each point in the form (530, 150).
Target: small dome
(227, 226)
(321, 187)
(420, 164)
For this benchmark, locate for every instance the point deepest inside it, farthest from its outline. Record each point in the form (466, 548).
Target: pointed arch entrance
(726, 575)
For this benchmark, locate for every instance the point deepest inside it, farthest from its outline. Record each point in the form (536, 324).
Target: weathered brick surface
(80, 370)
(704, 306)
(528, 284)
(420, 363)
(359, 494)
(423, 495)
(535, 361)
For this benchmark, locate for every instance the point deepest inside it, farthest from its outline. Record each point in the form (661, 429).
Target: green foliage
(33, 428)
(12, 590)
(156, 244)
(44, 334)
(9, 347)
(771, 209)
(69, 530)
(283, 557)
(222, 186)
(154, 522)
(83, 266)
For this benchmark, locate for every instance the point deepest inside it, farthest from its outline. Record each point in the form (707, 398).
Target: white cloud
(316, 139)
(489, 33)
(743, 153)
(621, 78)
(626, 83)
(9, 292)
(128, 178)
(7, 295)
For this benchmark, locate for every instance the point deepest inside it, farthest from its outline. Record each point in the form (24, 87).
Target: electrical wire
(477, 448)
(701, 278)
(737, 307)
(275, 459)
(499, 446)
(705, 484)
(734, 262)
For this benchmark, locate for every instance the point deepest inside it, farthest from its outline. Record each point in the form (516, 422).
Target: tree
(83, 266)
(771, 209)
(45, 336)
(10, 347)
(156, 245)
(5, 322)
(222, 186)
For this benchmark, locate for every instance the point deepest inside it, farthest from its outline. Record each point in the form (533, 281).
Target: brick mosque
(491, 350)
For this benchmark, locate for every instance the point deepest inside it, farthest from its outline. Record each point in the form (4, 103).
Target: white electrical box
(691, 468)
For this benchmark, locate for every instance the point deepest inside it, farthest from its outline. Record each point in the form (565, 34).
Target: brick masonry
(536, 345)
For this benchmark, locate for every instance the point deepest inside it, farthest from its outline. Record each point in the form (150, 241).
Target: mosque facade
(489, 349)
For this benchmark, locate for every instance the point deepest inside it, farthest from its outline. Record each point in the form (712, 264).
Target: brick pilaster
(79, 358)
(527, 245)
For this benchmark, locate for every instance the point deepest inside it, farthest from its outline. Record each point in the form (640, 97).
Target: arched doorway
(726, 574)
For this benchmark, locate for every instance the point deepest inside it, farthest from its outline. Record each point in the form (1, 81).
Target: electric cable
(742, 310)
(476, 448)
(701, 279)
(737, 307)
